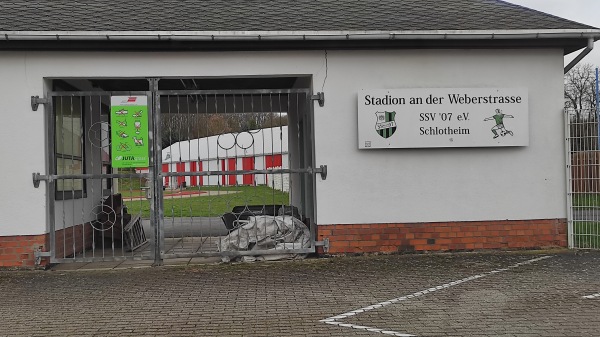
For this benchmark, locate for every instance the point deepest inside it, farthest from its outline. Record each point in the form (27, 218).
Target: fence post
(569, 175)
(598, 108)
(156, 181)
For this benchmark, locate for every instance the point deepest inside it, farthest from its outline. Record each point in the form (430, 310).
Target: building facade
(436, 197)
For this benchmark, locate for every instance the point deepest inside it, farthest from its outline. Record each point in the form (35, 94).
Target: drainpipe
(583, 54)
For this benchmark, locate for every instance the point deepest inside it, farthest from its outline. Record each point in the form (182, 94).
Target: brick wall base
(19, 251)
(444, 236)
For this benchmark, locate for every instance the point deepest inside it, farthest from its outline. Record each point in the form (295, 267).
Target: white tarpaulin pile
(267, 232)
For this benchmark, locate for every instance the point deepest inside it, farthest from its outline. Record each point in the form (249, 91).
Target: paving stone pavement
(541, 298)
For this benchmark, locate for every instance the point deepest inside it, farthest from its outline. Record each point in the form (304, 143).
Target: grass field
(586, 234)
(586, 199)
(210, 205)
(131, 187)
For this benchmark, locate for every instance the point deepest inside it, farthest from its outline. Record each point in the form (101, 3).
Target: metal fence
(88, 212)
(583, 175)
(231, 174)
(238, 174)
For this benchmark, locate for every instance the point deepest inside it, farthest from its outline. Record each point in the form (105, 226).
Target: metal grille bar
(222, 161)
(239, 172)
(89, 202)
(237, 163)
(583, 172)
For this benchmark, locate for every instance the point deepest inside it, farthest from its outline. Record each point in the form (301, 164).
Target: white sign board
(443, 117)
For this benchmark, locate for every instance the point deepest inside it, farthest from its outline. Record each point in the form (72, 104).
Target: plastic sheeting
(267, 233)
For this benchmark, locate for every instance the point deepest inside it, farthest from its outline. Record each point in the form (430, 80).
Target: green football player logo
(499, 118)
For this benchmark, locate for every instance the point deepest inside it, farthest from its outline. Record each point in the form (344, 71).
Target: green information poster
(129, 131)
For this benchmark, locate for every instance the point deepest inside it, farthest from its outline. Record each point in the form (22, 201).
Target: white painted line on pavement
(368, 328)
(334, 319)
(591, 297)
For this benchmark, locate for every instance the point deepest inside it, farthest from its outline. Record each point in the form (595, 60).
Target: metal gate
(583, 177)
(237, 173)
(231, 174)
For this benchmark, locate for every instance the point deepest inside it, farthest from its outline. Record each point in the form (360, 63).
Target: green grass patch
(586, 199)
(586, 234)
(211, 205)
(131, 187)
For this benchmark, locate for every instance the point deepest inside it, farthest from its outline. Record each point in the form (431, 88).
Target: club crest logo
(386, 124)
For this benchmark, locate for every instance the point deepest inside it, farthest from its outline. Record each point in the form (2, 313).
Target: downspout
(583, 54)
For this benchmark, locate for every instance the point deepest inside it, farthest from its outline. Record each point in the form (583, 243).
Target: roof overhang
(568, 39)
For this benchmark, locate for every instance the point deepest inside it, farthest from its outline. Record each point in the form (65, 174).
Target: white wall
(427, 185)
(22, 207)
(362, 186)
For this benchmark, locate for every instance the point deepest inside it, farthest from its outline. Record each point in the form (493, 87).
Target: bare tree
(580, 101)
(179, 127)
(580, 88)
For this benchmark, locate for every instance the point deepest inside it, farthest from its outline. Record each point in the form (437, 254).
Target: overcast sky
(584, 11)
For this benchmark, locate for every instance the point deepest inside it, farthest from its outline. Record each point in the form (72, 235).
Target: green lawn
(212, 205)
(586, 234)
(586, 199)
(131, 187)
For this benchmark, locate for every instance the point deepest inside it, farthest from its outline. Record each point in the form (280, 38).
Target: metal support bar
(156, 208)
(322, 170)
(579, 57)
(569, 181)
(95, 93)
(240, 253)
(232, 92)
(37, 177)
(36, 101)
(320, 96)
(38, 255)
(324, 244)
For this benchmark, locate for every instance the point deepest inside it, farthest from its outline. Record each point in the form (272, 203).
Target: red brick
(468, 240)
(388, 249)
(8, 257)
(422, 235)
(324, 232)
(453, 235)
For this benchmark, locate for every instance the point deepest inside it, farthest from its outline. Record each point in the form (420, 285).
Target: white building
(454, 191)
(258, 149)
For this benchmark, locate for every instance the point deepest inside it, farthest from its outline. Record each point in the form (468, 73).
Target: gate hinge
(323, 171)
(36, 101)
(37, 177)
(324, 244)
(38, 255)
(320, 96)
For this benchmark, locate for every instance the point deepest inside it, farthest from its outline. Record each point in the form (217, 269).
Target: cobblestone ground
(541, 298)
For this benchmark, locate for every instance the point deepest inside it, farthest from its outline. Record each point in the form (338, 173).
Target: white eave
(304, 35)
